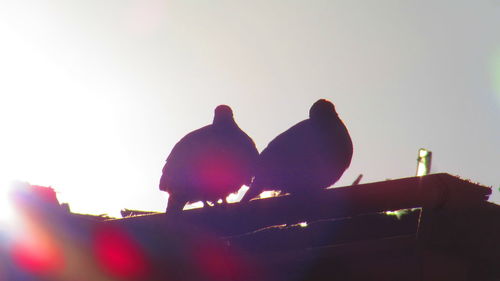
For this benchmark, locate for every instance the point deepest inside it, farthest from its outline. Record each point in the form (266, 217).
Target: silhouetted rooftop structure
(448, 231)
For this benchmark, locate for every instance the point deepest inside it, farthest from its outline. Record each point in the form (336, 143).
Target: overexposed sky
(94, 94)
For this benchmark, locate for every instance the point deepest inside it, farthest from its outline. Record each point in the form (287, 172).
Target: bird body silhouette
(311, 155)
(209, 163)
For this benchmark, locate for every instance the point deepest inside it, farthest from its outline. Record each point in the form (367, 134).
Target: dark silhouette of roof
(27, 194)
(311, 155)
(448, 232)
(209, 163)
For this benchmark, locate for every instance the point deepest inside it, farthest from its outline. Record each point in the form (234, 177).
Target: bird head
(223, 115)
(322, 109)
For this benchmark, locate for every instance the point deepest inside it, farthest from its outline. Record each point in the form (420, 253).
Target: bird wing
(288, 143)
(248, 154)
(283, 156)
(179, 161)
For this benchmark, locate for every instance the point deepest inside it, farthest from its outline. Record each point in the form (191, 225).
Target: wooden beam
(431, 192)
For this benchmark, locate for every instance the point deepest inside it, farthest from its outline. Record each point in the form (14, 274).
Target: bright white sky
(94, 94)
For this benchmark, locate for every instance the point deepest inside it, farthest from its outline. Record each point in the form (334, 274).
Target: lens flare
(34, 248)
(37, 254)
(120, 255)
(218, 262)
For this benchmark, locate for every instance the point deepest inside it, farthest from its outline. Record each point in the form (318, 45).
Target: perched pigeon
(311, 155)
(209, 163)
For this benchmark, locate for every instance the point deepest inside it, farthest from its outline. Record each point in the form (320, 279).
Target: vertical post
(424, 162)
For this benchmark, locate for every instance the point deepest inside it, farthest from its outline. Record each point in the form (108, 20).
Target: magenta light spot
(218, 262)
(37, 254)
(119, 255)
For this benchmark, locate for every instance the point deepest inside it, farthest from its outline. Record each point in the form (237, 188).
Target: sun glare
(7, 208)
(236, 197)
(269, 194)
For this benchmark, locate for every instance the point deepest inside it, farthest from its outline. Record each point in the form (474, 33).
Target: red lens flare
(218, 262)
(219, 171)
(37, 253)
(119, 255)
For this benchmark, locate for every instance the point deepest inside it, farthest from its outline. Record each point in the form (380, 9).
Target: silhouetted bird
(209, 163)
(311, 155)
